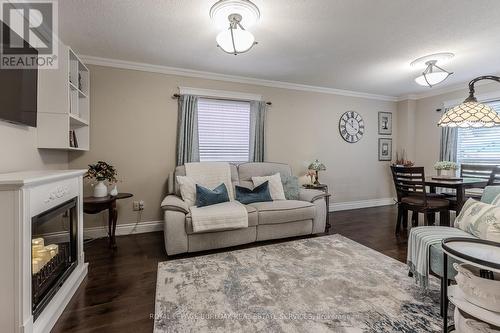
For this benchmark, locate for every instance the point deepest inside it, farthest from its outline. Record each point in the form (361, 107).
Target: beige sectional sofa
(266, 220)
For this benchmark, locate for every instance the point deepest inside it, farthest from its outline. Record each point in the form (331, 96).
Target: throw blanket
(210, 175)
(419, 243)
(222, 216)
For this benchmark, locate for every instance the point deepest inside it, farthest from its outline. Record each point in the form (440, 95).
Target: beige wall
(133, 126)
(428, 134)
(18, 150)
(406, 128)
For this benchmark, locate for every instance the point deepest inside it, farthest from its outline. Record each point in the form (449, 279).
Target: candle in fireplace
(36, 265)
(53, 250)
(38, 241)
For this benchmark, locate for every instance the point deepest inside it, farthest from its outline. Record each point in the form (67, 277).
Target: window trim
(220, 94)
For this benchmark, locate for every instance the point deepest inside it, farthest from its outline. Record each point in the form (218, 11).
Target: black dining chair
(412, 196)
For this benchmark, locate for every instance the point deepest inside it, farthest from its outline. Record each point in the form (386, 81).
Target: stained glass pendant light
(471, 113)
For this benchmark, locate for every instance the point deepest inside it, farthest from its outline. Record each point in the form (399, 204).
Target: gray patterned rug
(322, 284)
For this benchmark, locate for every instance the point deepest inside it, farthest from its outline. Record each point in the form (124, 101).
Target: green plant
(102, 171)
(445, 165)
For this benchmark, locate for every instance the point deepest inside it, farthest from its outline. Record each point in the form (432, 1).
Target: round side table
(93, 205)
(477, 252)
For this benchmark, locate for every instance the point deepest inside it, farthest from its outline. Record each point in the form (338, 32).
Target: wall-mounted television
(18, 89)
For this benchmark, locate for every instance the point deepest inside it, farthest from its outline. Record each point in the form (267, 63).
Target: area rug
(322, 284)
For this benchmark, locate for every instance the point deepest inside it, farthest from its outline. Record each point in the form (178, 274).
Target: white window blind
(479, 145)
(224, 130)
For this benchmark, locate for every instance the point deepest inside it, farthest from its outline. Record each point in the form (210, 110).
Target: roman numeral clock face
(351, 127)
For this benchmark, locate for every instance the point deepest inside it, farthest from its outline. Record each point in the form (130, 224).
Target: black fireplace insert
(54, 252)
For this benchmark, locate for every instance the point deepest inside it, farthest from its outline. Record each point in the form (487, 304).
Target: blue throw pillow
(291, 187)
(258, 194)
(207, 197)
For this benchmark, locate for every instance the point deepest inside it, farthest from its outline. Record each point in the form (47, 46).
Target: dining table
(457, 184)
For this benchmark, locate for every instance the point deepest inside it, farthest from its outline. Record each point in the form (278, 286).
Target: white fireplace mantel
(22, 196)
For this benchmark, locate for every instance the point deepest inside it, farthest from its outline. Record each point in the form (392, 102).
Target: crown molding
(456, 87)
(138, 66)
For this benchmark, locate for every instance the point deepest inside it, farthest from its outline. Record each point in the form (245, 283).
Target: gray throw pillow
(291, 187)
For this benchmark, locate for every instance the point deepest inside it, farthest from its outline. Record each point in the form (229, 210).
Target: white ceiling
(359, 45)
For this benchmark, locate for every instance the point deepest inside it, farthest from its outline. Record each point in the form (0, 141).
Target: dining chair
(412, 196)
(481, 171)
(495, 177)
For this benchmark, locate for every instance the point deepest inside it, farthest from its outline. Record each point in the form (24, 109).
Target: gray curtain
(187, 130)
(258, 111)
(448, 147)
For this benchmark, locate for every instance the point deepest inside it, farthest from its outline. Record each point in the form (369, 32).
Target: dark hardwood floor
(119, 292)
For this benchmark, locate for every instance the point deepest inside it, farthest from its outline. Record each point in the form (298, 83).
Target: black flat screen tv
(18, 90)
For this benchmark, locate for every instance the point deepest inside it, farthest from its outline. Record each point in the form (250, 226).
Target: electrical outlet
(138, 205)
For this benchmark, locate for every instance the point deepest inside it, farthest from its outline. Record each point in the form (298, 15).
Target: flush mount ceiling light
(471, 113)
(236, 13)
(433, 74)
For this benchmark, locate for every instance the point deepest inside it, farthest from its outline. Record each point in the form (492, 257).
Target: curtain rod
(175, 96)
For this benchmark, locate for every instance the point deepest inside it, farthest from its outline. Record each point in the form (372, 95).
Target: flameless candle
(53, 250)
(44, 255)
(36, 265)
(35, 249)
(37, 241)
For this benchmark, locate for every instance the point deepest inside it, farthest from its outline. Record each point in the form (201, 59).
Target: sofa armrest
(174, 203)
(311, 195)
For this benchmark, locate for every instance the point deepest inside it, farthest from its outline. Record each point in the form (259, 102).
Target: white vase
(114, 191)
(447, 173)
(100, 189)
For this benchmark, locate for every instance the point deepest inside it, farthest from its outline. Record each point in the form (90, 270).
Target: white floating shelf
(76, 121)
(81, 94)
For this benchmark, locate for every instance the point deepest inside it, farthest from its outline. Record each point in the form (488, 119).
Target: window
(479, 145)
(224, 130)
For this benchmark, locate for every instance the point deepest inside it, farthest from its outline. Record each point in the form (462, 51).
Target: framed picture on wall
(384, 149)
(385, 123)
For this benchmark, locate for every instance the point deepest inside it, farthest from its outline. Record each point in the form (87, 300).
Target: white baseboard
(124, 229)
(338, 206)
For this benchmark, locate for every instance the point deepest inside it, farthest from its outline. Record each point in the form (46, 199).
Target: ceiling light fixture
(433, 74)
(235, 39)
(471, 113)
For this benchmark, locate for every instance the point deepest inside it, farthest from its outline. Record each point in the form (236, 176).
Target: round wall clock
(351, 126)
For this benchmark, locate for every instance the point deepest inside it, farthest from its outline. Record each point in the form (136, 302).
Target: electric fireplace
(53, 252)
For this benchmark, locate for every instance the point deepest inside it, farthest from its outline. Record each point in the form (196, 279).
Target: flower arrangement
(102, 171)
(311, 174)
(445, 165)
(401, 160)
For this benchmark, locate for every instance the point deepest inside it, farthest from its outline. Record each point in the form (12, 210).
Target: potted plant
(446, 168)
(101, 172)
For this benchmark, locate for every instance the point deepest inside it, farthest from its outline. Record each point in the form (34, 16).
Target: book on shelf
(73, 142)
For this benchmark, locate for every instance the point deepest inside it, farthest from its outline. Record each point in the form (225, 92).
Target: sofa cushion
(252, 220)
(291, 187)
(181, 171)
(248, 170)
(207, 197)
(258, 194)
(283, 211)
(275, 185)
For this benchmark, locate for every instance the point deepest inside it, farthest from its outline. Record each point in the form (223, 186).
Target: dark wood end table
(324, 188)
(92, 205)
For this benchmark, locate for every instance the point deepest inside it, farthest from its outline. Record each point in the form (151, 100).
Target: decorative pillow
(208, 197)
(290, 187)
(480, 219)
(491, 195)
(275, 186)
(496, 201)
(258, 194)
(187, 187)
